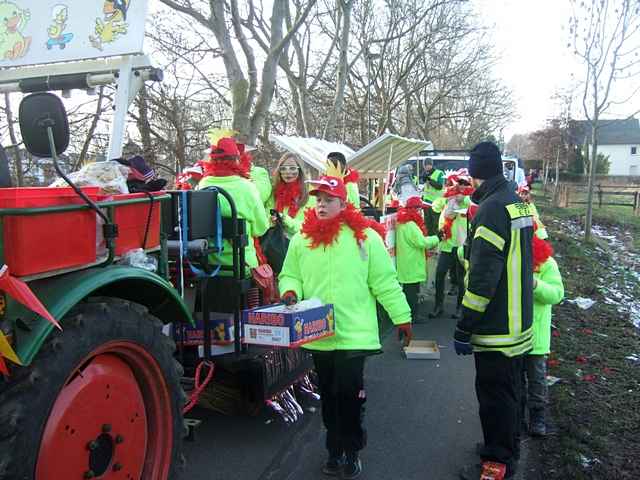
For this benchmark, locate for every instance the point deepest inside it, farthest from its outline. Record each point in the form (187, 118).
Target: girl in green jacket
(224, 170)
(548, 290)
(290, 197)
(339, 259)
(412, 244)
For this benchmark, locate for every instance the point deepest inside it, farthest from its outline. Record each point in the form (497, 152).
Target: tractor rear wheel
(102, 399)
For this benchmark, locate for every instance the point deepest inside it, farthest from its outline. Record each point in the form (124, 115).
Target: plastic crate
(132, 222)
(50, 241)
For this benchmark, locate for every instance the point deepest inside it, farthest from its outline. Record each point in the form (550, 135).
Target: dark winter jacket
(498, 302)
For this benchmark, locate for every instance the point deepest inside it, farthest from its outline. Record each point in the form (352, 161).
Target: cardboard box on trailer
(281, 326)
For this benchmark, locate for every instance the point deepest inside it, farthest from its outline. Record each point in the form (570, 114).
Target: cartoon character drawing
(330, 321)
(298, 327)
(13, 20)
(219, 333)
(59, 17)
(113, 25)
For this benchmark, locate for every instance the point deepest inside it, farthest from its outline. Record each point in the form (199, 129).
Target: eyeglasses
(288, 168)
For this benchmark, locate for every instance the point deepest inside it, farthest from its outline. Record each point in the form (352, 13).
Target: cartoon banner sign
(45, 31)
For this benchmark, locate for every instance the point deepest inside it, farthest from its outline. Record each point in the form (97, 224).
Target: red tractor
(102, 395)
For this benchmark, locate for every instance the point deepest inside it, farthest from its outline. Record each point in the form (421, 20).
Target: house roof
(610, 132)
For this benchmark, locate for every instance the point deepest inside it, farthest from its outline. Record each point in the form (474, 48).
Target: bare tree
(344, 19)
(17, 158)
(604, 36)
(250, 97)
(92, 129)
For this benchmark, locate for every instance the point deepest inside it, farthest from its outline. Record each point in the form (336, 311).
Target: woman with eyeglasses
(290, 197)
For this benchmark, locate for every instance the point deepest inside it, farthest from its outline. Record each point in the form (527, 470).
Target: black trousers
(448, 261)
(431, 221)
(411, 292)
(499, 391)
(342, 398)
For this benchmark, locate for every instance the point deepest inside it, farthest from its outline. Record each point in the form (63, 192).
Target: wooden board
(422, 350)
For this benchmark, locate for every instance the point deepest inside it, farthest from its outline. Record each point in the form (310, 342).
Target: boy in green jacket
(548, 290)
(339, 259)
(224, 170)
(412, 244)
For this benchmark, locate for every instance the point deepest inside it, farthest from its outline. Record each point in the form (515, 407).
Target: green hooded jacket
(411, 245)
(353, 194)
(459, 227)
(262, 180)
(549, 291)
(248, 204)
(351, 278)
(292, 225)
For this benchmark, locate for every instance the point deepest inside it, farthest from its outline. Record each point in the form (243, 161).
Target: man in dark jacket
(433, 180)
(497, 310)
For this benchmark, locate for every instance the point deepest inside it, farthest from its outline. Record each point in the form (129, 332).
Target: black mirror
(37, 112)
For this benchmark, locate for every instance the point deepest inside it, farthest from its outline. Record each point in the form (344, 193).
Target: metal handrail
(16, 212)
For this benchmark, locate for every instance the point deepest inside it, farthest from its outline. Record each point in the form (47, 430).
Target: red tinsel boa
(405, 215)
(542, 250)
(379, 228)
(458, 190)
(287, 195)
(352, 177)
(446, 227)
(224, 168)
(324, 232)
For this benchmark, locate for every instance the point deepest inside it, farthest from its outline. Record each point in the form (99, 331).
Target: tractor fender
(59, 294)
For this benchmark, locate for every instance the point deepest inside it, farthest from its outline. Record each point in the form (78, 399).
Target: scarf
(412, 215)
(224, 168)
(325, 231)
(352, 177)
(287, 195)
(542, 250)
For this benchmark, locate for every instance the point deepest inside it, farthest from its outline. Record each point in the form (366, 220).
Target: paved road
(421, 418)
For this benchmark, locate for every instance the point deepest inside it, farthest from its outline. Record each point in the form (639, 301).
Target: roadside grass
(595, 407)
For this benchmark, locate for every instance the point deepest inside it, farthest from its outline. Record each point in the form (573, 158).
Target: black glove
(289, 298)
(462, 342)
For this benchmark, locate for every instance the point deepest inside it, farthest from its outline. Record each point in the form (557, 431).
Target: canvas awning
(313, 151)
(385, 153)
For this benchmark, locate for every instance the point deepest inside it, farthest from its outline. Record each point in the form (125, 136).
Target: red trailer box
(45, 242)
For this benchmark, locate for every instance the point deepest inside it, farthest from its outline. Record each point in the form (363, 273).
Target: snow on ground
(618, 285)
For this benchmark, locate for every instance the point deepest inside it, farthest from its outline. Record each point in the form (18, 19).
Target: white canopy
(313, 151)
(373, 160)
(385, 153)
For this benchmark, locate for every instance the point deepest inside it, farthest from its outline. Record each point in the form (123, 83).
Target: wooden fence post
(599, 196)
(636, 204)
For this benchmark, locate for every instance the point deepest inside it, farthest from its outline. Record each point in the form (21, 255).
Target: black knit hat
(485, 161)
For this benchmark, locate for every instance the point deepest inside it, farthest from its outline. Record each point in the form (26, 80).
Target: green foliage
(578, 164)
(603, 164)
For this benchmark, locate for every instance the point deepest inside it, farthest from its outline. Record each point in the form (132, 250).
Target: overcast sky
(535, 61)
(531, 36)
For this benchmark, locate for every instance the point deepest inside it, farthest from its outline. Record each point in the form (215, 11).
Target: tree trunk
(557, 182)
(14, 141)
(592, 179)
(343, 67)
(91, 131)
(144, 126)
